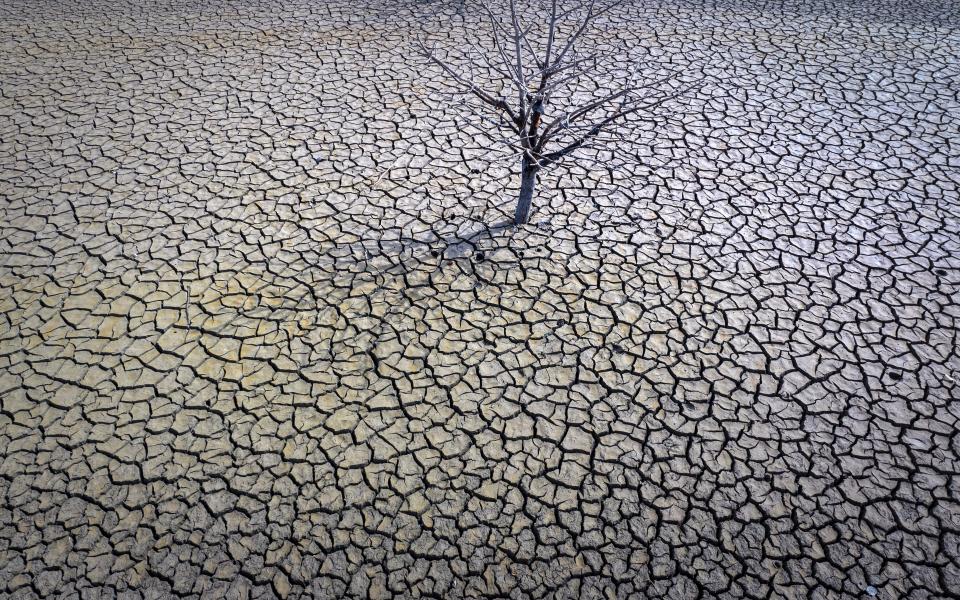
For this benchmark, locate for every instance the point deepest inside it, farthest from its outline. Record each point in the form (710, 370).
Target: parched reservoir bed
(263, 334)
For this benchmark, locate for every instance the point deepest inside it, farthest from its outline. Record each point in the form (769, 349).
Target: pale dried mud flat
(250, 345)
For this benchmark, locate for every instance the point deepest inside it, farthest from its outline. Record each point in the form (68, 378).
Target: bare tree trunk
(528, 180)
(547, 60)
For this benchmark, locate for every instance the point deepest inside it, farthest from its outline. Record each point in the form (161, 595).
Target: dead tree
(545, 79)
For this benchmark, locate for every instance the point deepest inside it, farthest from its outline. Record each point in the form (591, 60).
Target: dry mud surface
(257, 341)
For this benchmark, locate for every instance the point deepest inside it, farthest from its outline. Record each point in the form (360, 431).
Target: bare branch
(498, 103)
(596, 128)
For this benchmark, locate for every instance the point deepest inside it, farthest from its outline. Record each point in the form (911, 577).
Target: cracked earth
(261, 336)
